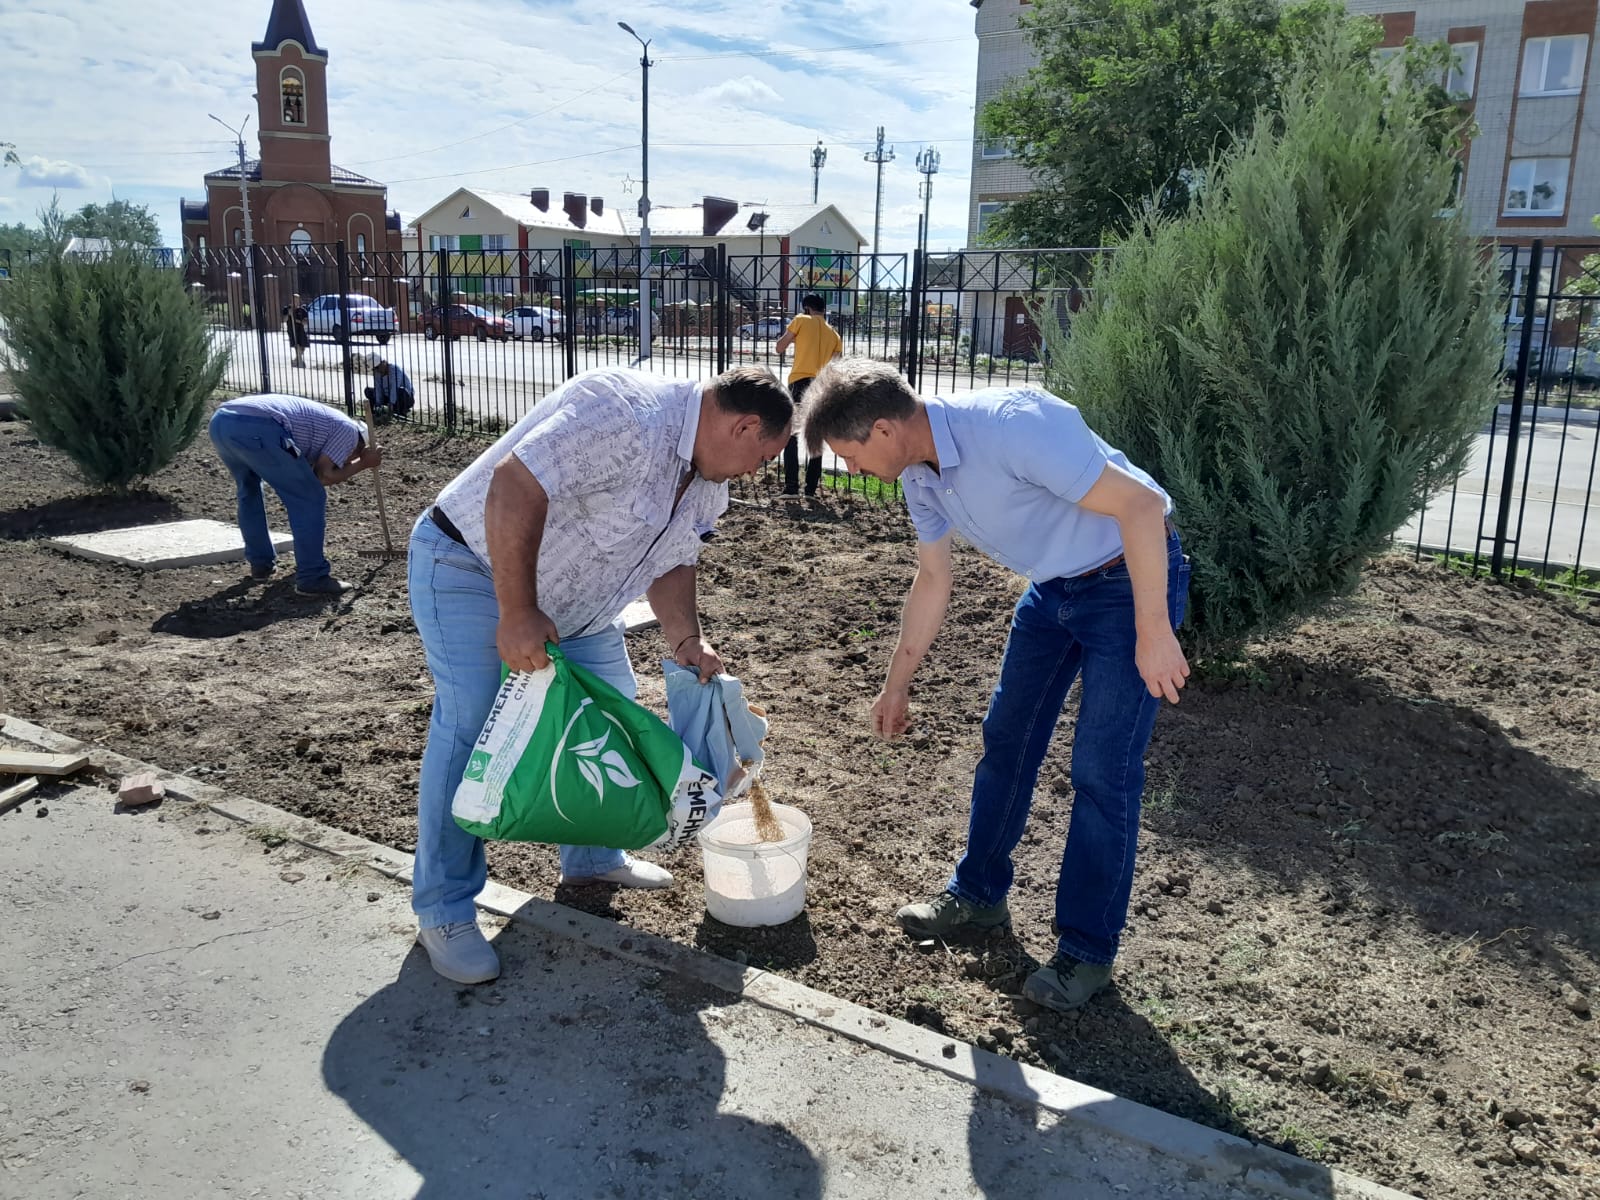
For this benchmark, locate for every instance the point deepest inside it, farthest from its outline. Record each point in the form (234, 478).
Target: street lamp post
(758, 222)
(244, 200)
(645, 264)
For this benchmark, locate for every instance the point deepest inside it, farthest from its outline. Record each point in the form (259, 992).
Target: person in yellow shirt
(815, 344)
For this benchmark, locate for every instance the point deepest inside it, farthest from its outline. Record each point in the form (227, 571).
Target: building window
(1461, 79)
(361, 243)
(293, 89)
(1553, 66)
(997, 148)
(300, 243)
(1387, 61)
(1514, 283)
(443, 241)
(494, 241)
(986, 213)
(1536, 186)
(238, 237)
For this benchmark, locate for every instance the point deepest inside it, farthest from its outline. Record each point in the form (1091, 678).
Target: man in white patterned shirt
(604, 490)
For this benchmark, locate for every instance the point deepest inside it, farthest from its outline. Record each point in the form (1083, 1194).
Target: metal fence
(1523, 502)
(524, 321)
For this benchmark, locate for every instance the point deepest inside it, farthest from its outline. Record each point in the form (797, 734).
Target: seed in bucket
(768, 827)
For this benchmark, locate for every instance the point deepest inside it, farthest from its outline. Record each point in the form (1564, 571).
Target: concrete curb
(1217, 1156)
(1552, 413)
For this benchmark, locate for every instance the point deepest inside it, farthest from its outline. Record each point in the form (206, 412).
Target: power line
(808, 50)
(511, 166)
(498, 129)
(849, 46)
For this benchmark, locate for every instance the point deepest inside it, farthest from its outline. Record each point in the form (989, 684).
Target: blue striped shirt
(315, 428)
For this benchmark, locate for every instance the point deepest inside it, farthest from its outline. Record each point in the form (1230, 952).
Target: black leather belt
(1119, 559)
(446, 525)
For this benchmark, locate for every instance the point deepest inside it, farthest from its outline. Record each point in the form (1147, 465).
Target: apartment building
(1525, 69)
(1004, 52)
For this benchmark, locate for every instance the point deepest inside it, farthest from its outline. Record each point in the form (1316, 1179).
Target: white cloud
(744, 92)
(51, 173)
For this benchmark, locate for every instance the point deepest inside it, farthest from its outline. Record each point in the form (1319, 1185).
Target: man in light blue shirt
(1020, 475)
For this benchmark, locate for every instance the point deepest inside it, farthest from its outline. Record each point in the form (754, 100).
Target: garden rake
(388, 553)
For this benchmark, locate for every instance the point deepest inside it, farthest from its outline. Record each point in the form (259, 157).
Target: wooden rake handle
(377, 483)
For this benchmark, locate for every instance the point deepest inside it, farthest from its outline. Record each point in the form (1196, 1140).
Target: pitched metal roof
(288, 24)
(252, 172)
(520, 208)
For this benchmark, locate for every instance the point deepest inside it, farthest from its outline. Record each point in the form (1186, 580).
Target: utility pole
(819, 158)
(645, 264)
(249, 234)
(928, 165)
(879, 156)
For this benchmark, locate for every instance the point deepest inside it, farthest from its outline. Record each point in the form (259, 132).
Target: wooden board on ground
(638, 615)
(12, 796)
(28, 762)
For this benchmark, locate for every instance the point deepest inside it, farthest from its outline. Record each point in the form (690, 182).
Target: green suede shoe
(1066, 983)
(948, 915)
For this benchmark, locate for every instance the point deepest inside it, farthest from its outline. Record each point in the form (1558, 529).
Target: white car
(533, 321)
(766, 327)
(367, 316)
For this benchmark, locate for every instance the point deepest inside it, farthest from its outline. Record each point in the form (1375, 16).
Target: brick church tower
(297, 196)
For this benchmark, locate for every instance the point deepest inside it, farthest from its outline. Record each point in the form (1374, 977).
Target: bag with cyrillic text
(564, 757)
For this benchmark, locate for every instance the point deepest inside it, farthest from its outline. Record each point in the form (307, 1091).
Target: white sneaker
(634, 873)
(460, 952)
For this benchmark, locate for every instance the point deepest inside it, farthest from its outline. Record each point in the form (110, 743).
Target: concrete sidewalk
(191, 1008)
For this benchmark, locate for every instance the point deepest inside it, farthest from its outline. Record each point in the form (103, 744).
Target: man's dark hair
(850, 394)
(814, 303)
(756, 392)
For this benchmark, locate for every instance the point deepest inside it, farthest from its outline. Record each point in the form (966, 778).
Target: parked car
(533, 321)
(615, 319)
(766, 327)
(366, 316)
(461, 320)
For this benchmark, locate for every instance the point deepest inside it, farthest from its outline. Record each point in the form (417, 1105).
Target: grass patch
(862, 485)
(1298, 1140)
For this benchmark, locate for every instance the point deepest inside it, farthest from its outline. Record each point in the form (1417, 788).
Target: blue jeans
(1062, 628)
(454, 606)
(254, 449)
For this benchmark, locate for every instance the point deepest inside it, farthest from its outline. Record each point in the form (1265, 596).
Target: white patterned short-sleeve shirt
(610, 448)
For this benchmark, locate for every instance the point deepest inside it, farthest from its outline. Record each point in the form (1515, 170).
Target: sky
(109, 99)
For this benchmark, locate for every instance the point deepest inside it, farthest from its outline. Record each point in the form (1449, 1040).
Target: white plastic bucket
(750, 882)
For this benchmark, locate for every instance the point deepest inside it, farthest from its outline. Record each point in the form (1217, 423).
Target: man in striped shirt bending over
(302, 448)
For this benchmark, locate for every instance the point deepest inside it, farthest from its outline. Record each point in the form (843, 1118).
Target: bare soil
(1367, 915)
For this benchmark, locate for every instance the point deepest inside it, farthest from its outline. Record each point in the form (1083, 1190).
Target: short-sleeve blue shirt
(1013, 464)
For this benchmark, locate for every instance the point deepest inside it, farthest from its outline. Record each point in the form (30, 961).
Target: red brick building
(297, 195)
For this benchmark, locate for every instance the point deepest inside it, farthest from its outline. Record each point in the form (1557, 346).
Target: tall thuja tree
(1302, 356)
(111, 359)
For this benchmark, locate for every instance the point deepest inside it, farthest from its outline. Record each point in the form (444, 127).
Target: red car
(461, 320)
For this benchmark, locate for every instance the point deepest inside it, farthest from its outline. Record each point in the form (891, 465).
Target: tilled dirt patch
(1365, 920)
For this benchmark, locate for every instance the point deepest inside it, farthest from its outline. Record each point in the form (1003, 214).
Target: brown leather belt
(1121, 558)
(446, 525)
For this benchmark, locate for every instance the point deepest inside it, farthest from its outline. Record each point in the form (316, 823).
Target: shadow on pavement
(568, 1076)
(1005, 1162)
